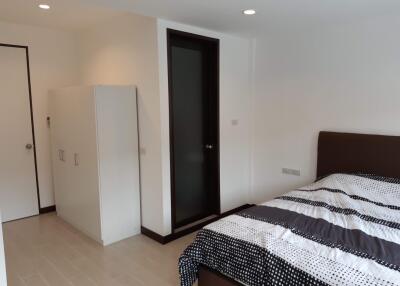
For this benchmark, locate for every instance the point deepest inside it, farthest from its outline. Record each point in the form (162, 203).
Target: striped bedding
(341, 230)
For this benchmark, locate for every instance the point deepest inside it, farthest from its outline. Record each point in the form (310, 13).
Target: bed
(344, 229)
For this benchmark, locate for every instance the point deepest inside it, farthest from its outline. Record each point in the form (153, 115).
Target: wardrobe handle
(76, 159)
(61, 155)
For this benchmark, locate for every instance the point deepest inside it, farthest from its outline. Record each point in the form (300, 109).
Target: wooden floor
(45, 251)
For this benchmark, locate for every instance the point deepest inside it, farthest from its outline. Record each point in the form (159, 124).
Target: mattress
(341, 230)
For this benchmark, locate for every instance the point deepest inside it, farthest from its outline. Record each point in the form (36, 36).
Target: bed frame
(339, 153)
(352, 153)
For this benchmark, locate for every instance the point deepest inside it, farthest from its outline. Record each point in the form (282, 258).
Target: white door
(18, 190)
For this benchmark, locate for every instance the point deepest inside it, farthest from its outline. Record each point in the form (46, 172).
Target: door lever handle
(209, 146)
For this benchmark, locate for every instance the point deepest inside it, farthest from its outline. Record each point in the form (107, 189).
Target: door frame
(31, 115)
(170, 33)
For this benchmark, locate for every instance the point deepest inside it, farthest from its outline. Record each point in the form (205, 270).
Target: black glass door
(194, 126)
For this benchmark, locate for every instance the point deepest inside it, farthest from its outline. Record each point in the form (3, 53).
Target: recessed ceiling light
(249, 12)
(44, 6)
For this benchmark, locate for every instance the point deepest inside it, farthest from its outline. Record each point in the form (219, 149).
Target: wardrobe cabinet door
(58, 149)
(83, 163)
(73, 129)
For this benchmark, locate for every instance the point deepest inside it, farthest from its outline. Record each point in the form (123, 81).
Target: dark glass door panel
(194, 123)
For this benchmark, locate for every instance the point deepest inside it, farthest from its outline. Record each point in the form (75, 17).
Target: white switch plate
(292, 172)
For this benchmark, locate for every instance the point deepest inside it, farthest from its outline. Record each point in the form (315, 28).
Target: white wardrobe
(94, 137)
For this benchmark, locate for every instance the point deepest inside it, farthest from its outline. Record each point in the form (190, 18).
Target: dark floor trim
(47, 210)
(170, 237)
(155, 236)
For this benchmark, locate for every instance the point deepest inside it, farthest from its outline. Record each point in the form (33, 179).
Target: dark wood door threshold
(48, 209)
(173, 236)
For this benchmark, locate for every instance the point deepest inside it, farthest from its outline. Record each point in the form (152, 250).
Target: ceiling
(220, 15)
(64, 14)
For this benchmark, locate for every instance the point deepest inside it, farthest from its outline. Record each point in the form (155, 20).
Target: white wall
(342, 78)
(53, 63)
(235, 99)
(132, 50)
(124, 51)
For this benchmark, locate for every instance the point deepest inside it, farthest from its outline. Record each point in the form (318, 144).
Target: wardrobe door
(59, 143)
(84, 160)
(73, 128)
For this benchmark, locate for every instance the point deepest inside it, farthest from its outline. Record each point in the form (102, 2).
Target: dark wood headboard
(355, 153)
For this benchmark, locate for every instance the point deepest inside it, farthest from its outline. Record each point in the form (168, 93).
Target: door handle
(28, 146)
(209, 146)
